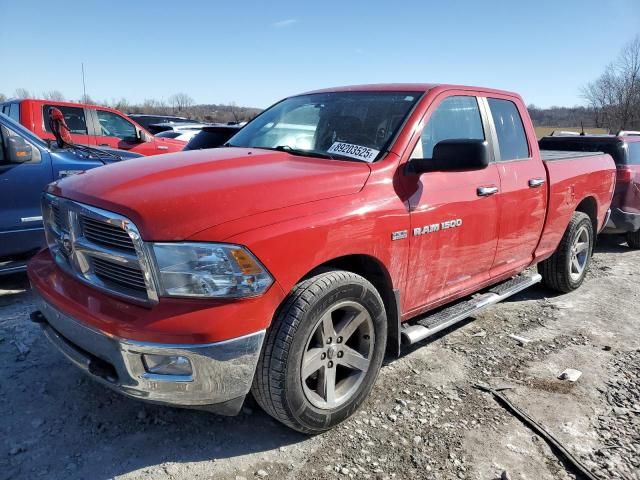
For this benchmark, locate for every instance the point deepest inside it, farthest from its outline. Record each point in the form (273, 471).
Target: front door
(21, 186)
(454, 214)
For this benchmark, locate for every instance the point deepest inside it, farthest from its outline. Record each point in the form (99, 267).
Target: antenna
(582, 128)
(84, 86)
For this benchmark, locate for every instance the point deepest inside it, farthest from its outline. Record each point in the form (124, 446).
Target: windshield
(352, 125)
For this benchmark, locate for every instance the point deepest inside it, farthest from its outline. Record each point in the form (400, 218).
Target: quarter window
(14, 111)
(512, 140)
(456, 118)
(113, 125)
(73, 117)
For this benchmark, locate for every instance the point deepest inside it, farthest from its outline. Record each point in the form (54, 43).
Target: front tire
(633, 239)
(565, 270)
(322, 353)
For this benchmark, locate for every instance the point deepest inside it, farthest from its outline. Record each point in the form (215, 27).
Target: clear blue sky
(254, 53)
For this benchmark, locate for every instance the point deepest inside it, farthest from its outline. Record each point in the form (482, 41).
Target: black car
(148, 121)
(212, 136)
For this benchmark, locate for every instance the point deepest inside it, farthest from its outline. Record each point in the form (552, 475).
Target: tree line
(612, 101)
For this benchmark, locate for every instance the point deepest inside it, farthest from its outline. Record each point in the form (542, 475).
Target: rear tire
(565, 270)
(322, 353)
(633, 239)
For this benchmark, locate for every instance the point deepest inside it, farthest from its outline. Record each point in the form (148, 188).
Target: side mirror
(455, 154)
(140, 136)
(18, 150)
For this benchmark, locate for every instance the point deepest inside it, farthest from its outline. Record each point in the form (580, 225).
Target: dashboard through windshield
(346, 125)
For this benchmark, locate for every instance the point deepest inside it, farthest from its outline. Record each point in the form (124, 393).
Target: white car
(179, 131)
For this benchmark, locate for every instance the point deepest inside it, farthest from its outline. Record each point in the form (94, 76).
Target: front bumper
(621, 221)
(222, 372)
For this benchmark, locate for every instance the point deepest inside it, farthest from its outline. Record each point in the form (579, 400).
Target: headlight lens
(209, 270)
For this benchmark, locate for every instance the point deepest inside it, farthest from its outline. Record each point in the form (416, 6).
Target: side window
(456, 117)
(14, 111)
(511, 137)
(113, 125)
(73, 117)
(14, 149)
(634, 153)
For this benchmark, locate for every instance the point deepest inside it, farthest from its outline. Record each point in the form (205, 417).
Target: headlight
(209, 270)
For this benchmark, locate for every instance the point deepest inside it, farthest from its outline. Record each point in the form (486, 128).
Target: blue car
(27, 165)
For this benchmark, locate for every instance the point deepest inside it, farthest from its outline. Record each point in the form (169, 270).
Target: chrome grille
(99, 247)
(106, 234)
(121, 275)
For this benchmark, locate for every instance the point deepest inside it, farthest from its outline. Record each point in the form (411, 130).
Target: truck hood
(174, 196)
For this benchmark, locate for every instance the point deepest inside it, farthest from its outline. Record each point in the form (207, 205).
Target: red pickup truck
(89, 125)
(328, 232)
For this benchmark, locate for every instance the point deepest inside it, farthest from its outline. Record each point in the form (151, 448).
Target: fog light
(167, 364)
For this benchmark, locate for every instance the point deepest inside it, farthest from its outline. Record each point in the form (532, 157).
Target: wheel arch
(377, 273)
(589, 206)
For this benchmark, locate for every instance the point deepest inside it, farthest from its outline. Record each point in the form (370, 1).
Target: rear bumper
(621, 221)
(221, 377)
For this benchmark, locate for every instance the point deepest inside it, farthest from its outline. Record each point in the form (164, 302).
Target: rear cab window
(73, 116)
(512, 139)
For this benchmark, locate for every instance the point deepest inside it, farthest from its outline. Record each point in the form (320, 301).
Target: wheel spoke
(312, 362)
(581, 247)
(327, 328)
(353, 359)
(575, 265)
(328, 386)
(348, 327)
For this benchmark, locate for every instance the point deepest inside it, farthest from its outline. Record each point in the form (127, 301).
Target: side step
(434, 323)
(13, 266)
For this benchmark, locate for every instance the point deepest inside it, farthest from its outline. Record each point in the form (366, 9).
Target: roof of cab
(408, 87)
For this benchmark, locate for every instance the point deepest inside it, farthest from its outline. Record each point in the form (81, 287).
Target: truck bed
(552, 155)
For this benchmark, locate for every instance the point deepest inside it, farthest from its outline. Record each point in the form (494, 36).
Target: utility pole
(84, 86)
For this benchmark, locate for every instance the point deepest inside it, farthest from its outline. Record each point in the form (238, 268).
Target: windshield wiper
(305, 153)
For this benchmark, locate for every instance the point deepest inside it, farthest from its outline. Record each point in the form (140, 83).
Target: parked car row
(89, 125)
(334, 227)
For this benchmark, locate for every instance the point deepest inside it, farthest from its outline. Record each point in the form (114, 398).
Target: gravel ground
(423, 420)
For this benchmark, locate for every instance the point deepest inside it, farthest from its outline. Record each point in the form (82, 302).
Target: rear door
(523, 194)
(22, 185)
(76, 120)
(454, 214)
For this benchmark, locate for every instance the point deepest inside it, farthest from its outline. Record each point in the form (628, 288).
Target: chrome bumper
(221, 377)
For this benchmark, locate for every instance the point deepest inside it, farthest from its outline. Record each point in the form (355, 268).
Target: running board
(434, 323)
(13, 266)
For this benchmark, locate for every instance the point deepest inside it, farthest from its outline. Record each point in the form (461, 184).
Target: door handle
(536, 182)
(486, 191)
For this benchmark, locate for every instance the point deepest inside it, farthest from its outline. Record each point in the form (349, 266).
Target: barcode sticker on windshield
(354, 151)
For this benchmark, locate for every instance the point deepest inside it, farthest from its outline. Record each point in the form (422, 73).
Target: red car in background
(90, 125)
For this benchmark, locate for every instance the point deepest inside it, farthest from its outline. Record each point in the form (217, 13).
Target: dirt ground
(423, 420)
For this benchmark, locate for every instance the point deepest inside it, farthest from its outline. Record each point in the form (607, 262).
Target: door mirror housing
(455, 154)
(18, 150)
(142, 136)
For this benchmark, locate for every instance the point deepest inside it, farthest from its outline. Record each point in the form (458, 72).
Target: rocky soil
(424, 419)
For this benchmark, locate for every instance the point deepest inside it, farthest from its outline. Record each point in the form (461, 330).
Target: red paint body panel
(296, 213)
(174, 321)
(32, 117)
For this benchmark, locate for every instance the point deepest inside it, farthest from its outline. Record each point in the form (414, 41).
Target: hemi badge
(399, 235)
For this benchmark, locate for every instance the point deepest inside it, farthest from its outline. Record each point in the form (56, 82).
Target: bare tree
(180, 101)
(86, 99)
(615, 95)
(22, 93)
(53, 95)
